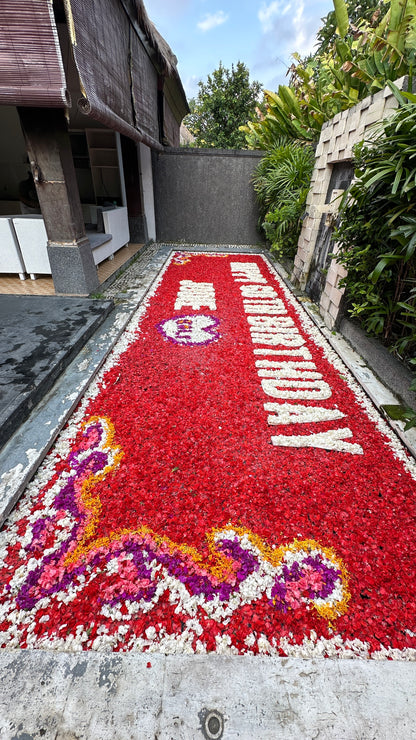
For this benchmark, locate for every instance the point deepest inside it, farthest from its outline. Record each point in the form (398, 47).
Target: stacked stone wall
(335, 145)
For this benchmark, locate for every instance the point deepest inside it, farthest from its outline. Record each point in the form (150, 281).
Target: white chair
(11, 260)
(33, 242)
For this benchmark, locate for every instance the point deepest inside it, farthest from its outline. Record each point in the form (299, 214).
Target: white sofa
(31, 234)
(23, 245)
(116, 224)
(11, 259)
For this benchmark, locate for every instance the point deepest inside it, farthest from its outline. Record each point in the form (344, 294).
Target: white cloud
(301, 41)
(288, 26)
(305, 28)
(268, 13)
(212, 20)
(291, 26)
(190, 84)
(158, 8)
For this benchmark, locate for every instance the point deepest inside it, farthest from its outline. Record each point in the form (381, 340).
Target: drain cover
(212, 724)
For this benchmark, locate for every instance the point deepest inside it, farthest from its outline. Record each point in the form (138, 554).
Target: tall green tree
(226, 101)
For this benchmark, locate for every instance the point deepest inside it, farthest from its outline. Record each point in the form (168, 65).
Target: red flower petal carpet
(224, 485)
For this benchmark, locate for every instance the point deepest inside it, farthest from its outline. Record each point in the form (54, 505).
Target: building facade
(88, 89)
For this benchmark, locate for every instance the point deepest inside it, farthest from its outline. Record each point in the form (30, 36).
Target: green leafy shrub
(377, 232)
(281, 182)
(361, 49)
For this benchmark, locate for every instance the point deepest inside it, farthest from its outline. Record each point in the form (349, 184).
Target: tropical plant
(388, 50)
(281, 182)
(356, 60)
(365, 10)
(226, 101)
(377, 231)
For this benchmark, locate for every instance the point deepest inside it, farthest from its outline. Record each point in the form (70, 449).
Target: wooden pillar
(51, 162)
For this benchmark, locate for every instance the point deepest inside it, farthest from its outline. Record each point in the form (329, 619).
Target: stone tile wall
(336, 143)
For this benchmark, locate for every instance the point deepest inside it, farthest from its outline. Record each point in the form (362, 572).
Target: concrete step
(130, 696)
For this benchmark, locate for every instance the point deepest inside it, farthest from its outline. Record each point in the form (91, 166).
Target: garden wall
(205, 196)
(314, 270)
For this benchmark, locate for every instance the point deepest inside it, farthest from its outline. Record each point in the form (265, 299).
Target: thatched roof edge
(164, 54)
(166, 57)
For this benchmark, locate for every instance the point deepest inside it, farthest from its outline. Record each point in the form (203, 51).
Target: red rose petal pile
(166, 518)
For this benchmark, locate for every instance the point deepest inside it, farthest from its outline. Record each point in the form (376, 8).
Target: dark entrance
(341, 176)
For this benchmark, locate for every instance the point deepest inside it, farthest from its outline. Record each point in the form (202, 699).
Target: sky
(263, 34)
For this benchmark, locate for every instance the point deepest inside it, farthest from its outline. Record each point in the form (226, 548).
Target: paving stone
(39, 336)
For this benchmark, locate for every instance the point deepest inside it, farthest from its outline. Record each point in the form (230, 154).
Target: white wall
(146, 174)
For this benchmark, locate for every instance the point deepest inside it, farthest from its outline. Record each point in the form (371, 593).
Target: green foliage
(281, 182)
(341, 17)
(355, 58)
(224, 103)
(397, 412)
(365, 10)
(289, 115)
(388, 50)
(377, 232)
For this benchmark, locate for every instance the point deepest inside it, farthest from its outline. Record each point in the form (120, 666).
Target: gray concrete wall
(205, 196)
